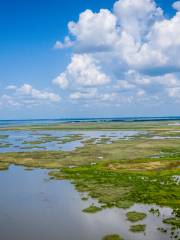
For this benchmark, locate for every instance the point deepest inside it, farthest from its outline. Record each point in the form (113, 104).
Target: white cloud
(176, 5)
(124, 85)
(28, 96)
(135, 17)
(6, 100)
(94, 30)
(130, 52)
(28, 90)
(61, 81)
(174, 92)
(136, 32)
(66, 44)
(141, 93)
(83, 71)
(92, 94)
(87, 94)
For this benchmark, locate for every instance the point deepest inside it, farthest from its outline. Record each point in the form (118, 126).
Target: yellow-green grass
(112, 237)
(138, 228)
(92, 209)
(173, 221)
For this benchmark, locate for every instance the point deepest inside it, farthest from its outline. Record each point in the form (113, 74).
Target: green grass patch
(112, 237)
(172, 221)
(92, 209)
(135, 216)
(138, 228)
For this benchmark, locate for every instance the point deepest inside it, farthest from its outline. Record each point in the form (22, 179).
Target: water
(32, 207)
(16, 139)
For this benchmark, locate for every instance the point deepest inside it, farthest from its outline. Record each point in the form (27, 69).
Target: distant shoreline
(79, 120)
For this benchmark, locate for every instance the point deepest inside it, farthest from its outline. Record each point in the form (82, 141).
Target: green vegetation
(173, 221)
(92, 209)
(138, 228)
(112, 237)
(124, 204)
(3, 166)
(32, 147)
(33, 142)
(135, 216)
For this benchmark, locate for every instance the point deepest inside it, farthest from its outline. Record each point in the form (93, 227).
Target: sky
(74, 59)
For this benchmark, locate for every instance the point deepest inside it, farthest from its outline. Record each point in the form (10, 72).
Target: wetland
(90, 180)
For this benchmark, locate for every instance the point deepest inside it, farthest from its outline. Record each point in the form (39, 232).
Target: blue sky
(95, 72)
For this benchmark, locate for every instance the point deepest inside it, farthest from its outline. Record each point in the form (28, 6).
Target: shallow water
(16, 139)
(32, 207)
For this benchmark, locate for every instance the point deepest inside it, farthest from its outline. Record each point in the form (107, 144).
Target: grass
(32, 147)
(135, 216)
(112, 237)
(172, 221)
(124, 204)
(3, 166)
(92, 209)
(138, 228)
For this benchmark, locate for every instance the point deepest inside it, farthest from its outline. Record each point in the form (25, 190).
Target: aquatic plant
(112, 237)
(138, 228)
(92, 209)
(135, 216)
(173, 221)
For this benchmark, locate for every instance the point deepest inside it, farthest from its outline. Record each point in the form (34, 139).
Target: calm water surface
(33, 208)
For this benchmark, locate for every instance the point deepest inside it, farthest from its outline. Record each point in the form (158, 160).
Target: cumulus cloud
(84, 71)
(129, 52)
(27, 95)
(94, 30)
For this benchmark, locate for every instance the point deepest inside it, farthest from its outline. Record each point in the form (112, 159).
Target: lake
(33, 207)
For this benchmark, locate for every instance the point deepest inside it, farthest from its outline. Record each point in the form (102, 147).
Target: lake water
(32, 207)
